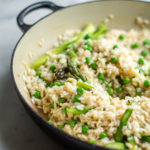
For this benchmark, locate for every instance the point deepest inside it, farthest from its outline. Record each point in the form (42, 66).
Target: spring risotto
(95, 85)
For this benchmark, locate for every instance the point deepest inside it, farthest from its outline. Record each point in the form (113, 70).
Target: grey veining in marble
(17, 130)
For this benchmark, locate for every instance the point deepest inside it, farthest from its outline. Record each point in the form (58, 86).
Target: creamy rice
(107, 106)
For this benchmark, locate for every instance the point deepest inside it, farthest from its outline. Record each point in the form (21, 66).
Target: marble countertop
(17, 129)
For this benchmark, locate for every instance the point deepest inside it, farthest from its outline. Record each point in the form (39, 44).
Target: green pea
(144, 53)
(146, 42)
(80, 91)
(59, 83)
(119, 89)
(141, 61)
(147, 83)
(87, 36)
(88, 43)
(87, 60)
(94, 65)
(115, 46)
(110, 91)
(121, 37)
(102, 135)
(100, 76)
(72, 123)
(37, 94)
(49, 122)
(126, 80)
(52, 68)
(50, 85)
(135, 45)
(85, 129)
(61, 100)
(77, 119)
(38, 73)
(76, 99)
(114, 59)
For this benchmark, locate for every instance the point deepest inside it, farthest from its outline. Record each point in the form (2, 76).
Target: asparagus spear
(116, 145)
(101, 30)
(123, 122)
(146, 138)
(61, 48)
(76, 111)
(74, 70)
(40, 61)
(71, 53)
(84, 85)
(88, 29)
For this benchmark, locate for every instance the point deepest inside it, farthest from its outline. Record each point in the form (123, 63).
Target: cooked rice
(107, 109)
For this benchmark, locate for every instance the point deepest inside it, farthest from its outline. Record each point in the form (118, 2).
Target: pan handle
(44, 4)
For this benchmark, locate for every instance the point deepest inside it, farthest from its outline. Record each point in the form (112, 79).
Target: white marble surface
(17, 130)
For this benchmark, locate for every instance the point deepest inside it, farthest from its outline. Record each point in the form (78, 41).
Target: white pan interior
(77, 16)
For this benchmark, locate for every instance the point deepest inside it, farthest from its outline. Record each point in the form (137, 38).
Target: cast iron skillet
(47, 29)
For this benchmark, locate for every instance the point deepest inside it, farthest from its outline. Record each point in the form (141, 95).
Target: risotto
(95, 85)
